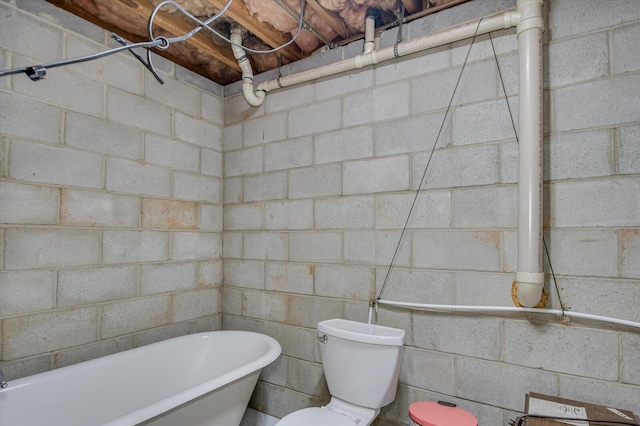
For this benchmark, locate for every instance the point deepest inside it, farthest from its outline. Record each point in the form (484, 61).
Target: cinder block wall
(319, 182)
(111, 209)
(111, 197)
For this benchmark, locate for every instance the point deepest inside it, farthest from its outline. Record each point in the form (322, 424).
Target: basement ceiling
(267, 24)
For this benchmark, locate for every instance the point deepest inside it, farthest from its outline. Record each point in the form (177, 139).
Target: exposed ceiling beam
(134, 38)
(265, 32)
(213, 59)
(306, 25)
(178, 26)
(333, 19)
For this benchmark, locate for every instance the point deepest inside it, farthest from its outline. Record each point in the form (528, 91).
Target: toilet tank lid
(362, 332)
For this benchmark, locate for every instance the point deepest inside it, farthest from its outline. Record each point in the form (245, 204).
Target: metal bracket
(36, 73)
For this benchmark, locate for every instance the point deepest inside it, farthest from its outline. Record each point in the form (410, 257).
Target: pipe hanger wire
(515, 132)
(148, 63)
(426, 168)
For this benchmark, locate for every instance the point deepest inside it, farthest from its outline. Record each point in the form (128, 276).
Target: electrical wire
(37, 72)
(160, 43)
(204, 24)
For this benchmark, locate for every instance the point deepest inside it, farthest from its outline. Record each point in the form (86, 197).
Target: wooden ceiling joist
(213, 59)
(178, 26)
(265, 32)
(133, 38)
(334, 21)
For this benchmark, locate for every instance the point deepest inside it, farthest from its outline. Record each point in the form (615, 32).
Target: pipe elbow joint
(253, 98)
(256, 98)
(370, 22)
(530, 15)
(530, 287)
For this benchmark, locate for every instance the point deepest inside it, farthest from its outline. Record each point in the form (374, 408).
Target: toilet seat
(316, 417)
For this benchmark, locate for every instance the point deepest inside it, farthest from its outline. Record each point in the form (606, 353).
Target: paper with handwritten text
(555, 409)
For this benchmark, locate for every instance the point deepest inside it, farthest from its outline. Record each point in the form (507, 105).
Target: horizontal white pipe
(461, 32)
(512, 309)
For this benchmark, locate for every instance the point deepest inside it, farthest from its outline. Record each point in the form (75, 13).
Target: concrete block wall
(111, 197)
(113, 192)
(319, 181)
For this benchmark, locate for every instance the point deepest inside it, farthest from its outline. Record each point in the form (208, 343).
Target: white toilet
(361, 364)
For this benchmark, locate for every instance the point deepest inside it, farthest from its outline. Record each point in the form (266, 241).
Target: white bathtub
(194, 380)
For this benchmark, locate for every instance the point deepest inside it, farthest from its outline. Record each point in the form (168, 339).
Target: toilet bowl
(336, 413)
(361, 364)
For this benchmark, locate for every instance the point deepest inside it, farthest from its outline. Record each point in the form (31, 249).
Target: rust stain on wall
(169, 214)
(489, 237)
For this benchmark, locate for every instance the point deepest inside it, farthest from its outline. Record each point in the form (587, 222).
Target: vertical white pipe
(369, 34)
(253, 98)
(530, 275)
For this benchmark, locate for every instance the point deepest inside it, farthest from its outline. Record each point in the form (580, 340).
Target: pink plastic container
(430, 413)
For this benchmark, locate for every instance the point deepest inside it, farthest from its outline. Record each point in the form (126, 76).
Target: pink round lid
(430, 413)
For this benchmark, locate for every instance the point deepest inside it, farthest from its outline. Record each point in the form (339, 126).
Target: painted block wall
(110, 195)
(320, 179)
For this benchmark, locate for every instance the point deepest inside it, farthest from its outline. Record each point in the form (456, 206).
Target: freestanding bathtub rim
(147, 412)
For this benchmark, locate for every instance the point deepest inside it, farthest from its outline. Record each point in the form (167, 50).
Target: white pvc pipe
(253, 98)
(528, 18)
(530, 275)
(506, 309)
(369, 34)
(461, 32)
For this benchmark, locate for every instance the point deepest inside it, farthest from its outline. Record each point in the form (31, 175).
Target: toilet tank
(361, 361)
